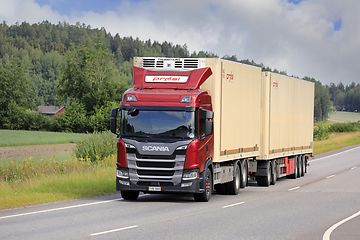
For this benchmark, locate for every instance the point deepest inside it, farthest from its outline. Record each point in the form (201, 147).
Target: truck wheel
(264, 181)
(206, 195)
(129, 195)
(273, 172)
(244, 174)
(233, 186)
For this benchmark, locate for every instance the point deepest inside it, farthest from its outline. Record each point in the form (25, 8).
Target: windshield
(162, 124)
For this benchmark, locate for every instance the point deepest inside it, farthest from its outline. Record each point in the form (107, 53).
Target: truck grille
(156, 170)
(155, 164)
(154, 173)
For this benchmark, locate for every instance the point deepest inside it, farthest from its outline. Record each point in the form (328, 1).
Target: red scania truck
(198, 125)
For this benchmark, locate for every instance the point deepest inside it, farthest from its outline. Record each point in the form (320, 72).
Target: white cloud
(297, 38)
(13, 11)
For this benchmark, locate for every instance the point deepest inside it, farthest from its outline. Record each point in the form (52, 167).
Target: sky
(314, 38)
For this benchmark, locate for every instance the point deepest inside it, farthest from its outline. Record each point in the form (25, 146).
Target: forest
(87, 70)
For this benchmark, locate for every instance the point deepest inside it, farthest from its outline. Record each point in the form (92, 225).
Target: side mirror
(113, 114)
(113, 125)
(209, 124)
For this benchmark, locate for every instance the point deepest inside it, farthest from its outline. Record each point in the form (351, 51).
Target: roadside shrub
(96, 146)
(342, 127)
(321, 132)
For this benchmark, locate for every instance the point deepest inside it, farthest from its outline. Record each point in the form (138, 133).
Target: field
(25, 138)
(345, 116)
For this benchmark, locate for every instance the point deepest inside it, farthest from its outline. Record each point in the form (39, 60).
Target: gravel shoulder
(36, 151)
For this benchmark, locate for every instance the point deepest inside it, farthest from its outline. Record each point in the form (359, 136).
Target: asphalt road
(325, 204)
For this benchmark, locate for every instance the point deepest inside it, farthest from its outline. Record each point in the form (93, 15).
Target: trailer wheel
(244, 174)
(264, 181)
(129, 195)
(303, 165)
(233, 186)
(206, 194)
(298, 166)
(273, 172)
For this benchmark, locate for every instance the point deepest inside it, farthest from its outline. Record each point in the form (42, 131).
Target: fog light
(124, 182)
(186, 184)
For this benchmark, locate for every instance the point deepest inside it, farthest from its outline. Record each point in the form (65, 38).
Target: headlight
(190, 175)
(129, 145)
(131, 98)
(122, 173)
(182, 147)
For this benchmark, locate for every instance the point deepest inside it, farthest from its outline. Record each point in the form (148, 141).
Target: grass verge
(336, 141)
(73, 179)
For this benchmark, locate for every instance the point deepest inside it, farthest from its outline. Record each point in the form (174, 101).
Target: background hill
(36, 68)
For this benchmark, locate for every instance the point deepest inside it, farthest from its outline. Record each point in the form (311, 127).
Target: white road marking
(330, 230)
(115, 230)
(58, 209)
(232, 205)
(291, 189)
(330, 176)
(333, 155)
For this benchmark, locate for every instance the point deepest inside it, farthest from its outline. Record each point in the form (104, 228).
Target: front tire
(208, 185)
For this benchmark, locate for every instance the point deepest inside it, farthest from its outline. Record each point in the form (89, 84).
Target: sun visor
(182, 80)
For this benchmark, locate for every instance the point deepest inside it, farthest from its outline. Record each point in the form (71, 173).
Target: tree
(88, 76)
(14, 88)
(322, 104)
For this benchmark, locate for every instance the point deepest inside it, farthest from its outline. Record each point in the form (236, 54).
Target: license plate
(158, 189)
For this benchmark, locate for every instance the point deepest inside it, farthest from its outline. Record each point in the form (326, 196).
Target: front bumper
(186, 186)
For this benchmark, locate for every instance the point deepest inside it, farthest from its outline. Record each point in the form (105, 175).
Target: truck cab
(165, 138)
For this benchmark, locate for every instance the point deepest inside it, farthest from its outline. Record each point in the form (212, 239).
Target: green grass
(53, 188)
(53, 182)
(25, 138)
(37, 160)
(345, 116)
(336, 141)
